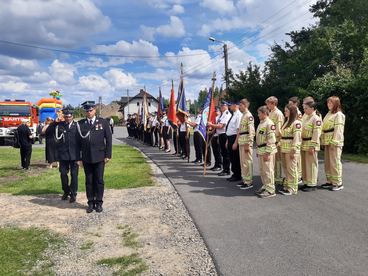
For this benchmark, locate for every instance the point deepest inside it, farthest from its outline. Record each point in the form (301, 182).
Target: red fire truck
(11, 114)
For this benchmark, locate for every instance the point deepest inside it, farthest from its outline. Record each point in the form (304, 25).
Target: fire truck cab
(12, 112)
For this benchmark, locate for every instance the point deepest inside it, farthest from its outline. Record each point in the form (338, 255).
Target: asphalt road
(317, 233)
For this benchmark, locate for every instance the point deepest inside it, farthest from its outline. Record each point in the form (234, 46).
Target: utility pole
(100, 104)
(226, 58)
(226, 68)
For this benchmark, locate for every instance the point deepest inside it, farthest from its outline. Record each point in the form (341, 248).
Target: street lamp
(211, 38)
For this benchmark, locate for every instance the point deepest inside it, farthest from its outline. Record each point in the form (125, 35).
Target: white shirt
(184, 126)
(154, 122)
(224, 119)
(217, 120)
(234, 123)
(91, 121)
(198, 122)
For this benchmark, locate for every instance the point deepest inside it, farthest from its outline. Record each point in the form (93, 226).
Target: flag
(208, 114)
(171, 115)
(160, 107)
(145, 110)
(182, 108)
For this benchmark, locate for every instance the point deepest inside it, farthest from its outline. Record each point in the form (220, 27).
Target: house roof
(124, 100)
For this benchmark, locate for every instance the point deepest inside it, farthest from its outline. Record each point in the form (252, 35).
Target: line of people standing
(286, 144)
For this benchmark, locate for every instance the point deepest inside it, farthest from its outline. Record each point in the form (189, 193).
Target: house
(131, 105)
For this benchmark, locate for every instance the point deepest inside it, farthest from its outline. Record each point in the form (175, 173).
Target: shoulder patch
(273, 127)
(318, 123)
(250, 118)
(298, 125)
(300, 115)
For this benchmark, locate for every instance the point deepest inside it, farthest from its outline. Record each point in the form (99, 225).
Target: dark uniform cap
(88, 105)
(225, 103)
(234, 103)
(67, 111)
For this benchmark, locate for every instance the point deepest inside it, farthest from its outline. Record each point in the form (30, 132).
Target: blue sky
(142, 28)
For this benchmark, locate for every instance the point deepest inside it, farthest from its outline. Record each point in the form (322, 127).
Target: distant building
(133, 105)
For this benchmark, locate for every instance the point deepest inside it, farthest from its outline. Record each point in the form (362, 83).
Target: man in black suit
(96, 144)
(68, 148)
(24, 137)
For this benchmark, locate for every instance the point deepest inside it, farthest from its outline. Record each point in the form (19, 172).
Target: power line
(95, 54)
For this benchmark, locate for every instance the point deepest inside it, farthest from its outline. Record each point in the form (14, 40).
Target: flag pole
(208, 119)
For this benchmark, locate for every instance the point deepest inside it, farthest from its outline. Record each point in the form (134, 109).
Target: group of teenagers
(286, 143)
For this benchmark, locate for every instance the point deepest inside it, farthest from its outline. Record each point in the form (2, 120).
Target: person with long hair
(50, 149)
(311, 133)
(332, 139)
(290, 143)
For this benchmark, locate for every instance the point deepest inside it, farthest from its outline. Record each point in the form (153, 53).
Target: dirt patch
(167, 239)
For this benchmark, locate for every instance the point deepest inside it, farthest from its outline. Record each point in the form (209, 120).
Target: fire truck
(12, 112)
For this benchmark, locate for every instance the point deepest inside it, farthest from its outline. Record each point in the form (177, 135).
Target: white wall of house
(135, 106)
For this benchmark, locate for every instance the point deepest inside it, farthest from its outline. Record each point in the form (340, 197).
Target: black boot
(98, 207)
(89, 208)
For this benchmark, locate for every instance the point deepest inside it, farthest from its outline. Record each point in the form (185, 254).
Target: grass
(129, 237)
(87, 245)
(127, 169)
(125, 266)
(358, 158)
(21, 249)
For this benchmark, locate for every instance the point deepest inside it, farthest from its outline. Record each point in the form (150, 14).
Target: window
(149, 104)
(137, 103)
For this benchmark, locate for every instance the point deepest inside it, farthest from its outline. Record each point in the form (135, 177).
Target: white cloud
(174, 29)
(13, 86)
(18, 67)
(118, 79)
(53, 23)
(219, 6)
(62, 72)
(177, 9)
(94, 83)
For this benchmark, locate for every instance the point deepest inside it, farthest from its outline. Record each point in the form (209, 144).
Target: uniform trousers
(309, 168)
(246, 164)
(234, 156)
(216, 151)
(224, 153)
(290, 167)
(25, 156)
(333, 165)
(94, 181)
(267, 172)
(64, 168)
(278, 166)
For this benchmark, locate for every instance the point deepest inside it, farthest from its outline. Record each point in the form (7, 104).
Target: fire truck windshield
(15, 110)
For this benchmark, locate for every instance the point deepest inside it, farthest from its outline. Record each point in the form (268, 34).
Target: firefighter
(332, 139)
(311, 133)
(266, 150)
(290, 143)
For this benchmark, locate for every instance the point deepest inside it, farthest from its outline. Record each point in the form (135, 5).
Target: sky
(106, 47)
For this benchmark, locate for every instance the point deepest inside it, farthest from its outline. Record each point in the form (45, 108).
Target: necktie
(227, 125)
(90, 122)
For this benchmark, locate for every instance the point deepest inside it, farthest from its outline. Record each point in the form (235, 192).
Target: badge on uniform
(298, 126)
(251, 118)
(273, 127)
(261, 132)
(318, 123)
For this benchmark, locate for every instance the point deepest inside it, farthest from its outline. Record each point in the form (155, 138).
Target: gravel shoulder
(169, 242)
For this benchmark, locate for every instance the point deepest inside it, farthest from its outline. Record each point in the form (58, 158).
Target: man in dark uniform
(96, 144)
(24, 137)
(68, 148)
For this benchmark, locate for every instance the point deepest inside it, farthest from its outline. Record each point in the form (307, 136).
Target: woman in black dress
(49, 132)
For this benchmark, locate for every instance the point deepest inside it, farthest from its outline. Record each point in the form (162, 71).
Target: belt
(287, 138)
(328, 130)
(261, 146)
(307, 139)
(243, 133)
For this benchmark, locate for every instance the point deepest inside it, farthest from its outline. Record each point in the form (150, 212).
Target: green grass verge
(21, 249)
(358, 158)
(130, 239)
(130, 265)
(127, 169)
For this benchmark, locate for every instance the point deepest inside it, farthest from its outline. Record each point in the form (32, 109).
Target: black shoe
(223, 173)
(307, 188)
(207, 165)
(246, 186)
(184, 157)
(233, 179)
(194, 161)
(89, 208)
(64, 197)
(326, 186)
(285, 192)
(98, 208)
(217, 169)
(72, 199)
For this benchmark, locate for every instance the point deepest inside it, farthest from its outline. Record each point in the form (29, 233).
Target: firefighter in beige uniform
(278, 119)
(244, 140)
(295, 101)
(311, 133)
(266, 150)
(290, 150)
(332, 139)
